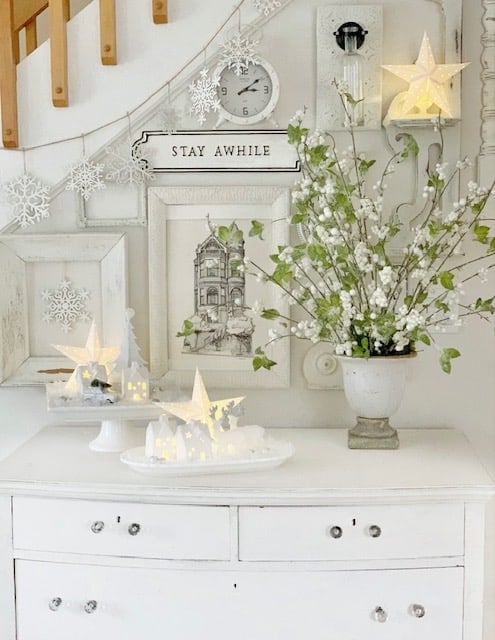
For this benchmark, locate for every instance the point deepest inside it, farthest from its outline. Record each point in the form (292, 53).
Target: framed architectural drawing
(53, 286)
(194, 278)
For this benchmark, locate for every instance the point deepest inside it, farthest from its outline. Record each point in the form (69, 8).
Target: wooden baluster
(108, 34)
(58, 50)
(160, 11)
(31, 36)
(8, 75)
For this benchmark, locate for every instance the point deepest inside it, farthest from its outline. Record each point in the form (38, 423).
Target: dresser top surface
(430, 463)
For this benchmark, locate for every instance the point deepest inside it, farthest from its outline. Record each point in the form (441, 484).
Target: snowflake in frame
(266, 6)
(203, 95)
(169, 119)
(65, 305)
(131, 167)
(85, 177)
(29, 199)
(238, 53)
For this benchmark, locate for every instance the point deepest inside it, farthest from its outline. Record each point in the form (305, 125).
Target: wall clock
(249, 97)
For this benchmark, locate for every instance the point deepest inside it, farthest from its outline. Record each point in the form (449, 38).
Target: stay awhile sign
(200, 151)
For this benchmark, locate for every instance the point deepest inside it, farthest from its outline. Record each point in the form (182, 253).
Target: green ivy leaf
(257, 229)
(445, 358)
(447, 280)
(481, 232)
(411, 147)
(261, 360)
(187, 329)
(270, 314)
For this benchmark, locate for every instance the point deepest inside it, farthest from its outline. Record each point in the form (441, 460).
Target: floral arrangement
(357, 293)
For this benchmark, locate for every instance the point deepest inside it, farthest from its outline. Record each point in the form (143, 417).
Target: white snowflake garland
(85, 177)
(203, 95)
(238, 53)
(65, 305)
(169, 119)
(134, 167)
(266, 6)
(29, 199)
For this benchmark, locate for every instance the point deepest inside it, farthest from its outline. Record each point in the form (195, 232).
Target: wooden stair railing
(18, 15)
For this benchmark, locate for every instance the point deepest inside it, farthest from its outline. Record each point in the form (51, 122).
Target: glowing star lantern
(200, 407)
(91, 354)
(427, 84)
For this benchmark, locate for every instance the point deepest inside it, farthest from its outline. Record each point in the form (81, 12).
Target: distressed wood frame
(159, 200)
(18, 366)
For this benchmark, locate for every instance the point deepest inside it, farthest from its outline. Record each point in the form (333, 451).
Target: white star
(198, 408)
(92, 352)
(427, 80)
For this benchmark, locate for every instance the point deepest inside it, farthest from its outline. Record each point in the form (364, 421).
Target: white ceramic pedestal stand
(117, 430)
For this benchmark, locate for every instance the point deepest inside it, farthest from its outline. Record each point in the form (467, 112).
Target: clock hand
(248, 88)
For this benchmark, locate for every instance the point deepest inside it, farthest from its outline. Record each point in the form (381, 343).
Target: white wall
(148, 56)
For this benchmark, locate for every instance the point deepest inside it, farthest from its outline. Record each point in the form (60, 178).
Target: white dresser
(335, 544)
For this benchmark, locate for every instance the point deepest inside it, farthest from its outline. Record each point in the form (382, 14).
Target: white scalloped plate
(274, 454)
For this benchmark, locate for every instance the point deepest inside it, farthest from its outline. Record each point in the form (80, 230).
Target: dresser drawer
(122, 529)
(351, 533)
(60, 601)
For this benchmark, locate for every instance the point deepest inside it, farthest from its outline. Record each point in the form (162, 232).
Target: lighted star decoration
(91, 352)
(427, 81)
(200, 405)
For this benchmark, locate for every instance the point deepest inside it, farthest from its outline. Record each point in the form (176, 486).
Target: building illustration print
(220, 325)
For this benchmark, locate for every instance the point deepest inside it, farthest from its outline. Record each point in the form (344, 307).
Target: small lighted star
(92, 352)
(198, 408)
(427, 80)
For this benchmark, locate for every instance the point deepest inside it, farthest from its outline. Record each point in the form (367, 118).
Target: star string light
(427, 81)
(91, 352)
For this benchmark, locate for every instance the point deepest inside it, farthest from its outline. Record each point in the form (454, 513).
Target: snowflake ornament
(85, 177)
(266, 6)
(65, 305)
(170, 119)
(203, 95)
(133, 168)
(238, 53)
(29, 198)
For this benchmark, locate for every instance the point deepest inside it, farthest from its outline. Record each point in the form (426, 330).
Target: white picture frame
(31, 263)
(177, 222)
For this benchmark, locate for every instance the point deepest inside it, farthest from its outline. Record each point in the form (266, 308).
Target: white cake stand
(117, 428)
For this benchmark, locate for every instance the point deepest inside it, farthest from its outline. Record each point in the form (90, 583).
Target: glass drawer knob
(134, 529)
(336, 532)
(90, 606)
(54, 604)
(380, 614)
(97, 526)
(418, 610)
(374, 531)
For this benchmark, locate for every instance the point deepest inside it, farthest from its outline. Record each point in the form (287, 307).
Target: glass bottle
(352, 73)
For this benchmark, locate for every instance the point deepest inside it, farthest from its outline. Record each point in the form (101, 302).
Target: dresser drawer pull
(380, 614)
(97, 526)
(374, 531)
(54, 604)
(90, 606)
(134, 529)
(418, 611)
(336, 532)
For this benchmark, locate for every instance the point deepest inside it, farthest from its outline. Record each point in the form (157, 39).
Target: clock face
(249, 97)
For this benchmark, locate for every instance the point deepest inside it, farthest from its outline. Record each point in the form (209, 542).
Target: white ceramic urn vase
(374, 388)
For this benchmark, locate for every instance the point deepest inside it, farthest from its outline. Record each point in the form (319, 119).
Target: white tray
(273, 455)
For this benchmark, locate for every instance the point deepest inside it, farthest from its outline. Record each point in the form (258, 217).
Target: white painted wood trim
(474, 554)
(7, 589)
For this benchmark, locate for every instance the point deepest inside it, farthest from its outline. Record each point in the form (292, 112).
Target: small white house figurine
(135, 383)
